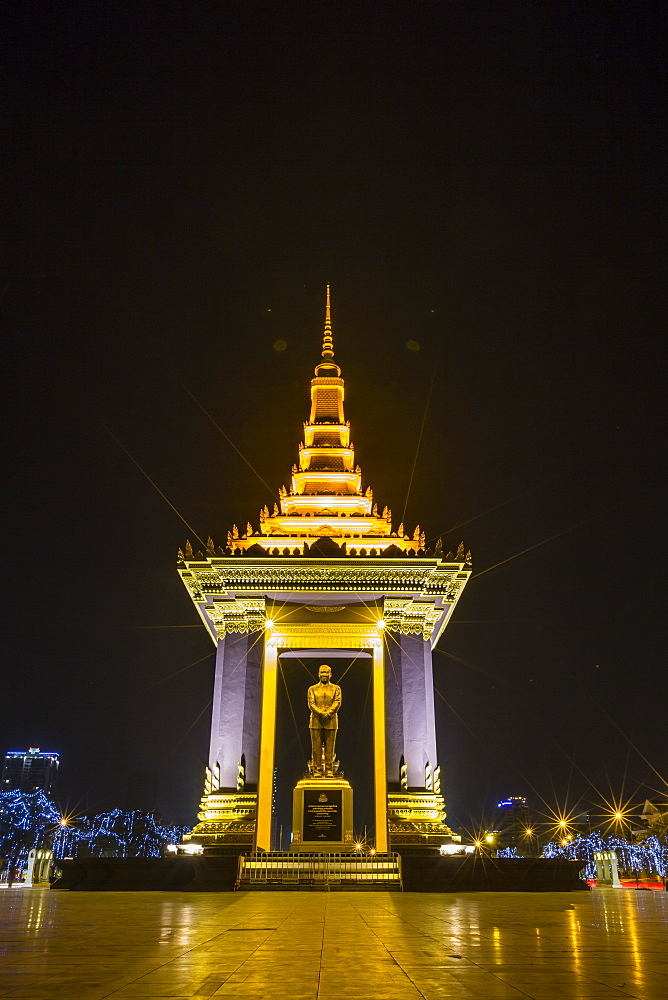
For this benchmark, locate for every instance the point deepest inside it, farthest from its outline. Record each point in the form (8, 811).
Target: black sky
(485, 179)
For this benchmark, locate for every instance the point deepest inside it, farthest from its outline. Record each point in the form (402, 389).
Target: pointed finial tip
(327, 345)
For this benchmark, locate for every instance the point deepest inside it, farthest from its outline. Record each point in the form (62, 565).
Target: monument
(322, 805)
(325, 571)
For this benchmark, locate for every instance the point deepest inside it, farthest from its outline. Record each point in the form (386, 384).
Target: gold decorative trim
(429, 589)
(412, 617)
(418, 818)
(216, 576)
(420, 807)
(343, 636)
(225, 818)
(236, 615)
(321, 609)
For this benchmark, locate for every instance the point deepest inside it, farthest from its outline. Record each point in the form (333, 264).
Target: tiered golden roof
(326, 498)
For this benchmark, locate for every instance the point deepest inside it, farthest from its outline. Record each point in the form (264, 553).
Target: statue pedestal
(322, 815)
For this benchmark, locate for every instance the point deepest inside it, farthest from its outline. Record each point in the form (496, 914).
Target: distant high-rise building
(29, 770)
(513, 821)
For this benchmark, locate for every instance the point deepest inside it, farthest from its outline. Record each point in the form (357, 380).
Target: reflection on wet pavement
(378, 946)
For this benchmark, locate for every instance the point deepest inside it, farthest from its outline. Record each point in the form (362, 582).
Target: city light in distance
(618, 812)
(559, 821)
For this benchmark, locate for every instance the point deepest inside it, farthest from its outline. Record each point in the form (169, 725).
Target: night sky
(480, 182)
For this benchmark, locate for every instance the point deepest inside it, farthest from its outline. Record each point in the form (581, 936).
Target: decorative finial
(327, 346)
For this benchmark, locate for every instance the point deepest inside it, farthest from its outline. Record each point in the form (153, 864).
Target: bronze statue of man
(324, 700)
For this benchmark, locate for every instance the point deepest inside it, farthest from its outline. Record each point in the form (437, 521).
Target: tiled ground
(380, 946)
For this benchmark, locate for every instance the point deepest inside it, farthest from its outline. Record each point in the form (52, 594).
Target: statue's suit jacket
(324, 698)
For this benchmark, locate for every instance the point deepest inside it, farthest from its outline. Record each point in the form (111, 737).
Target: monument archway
(313, 638)
(352, 671)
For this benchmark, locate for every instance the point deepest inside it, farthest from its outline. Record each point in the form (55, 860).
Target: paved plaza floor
(294, 945)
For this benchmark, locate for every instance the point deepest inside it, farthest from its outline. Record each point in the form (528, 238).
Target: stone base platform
(419, 874)
(181, 874)
(471, 873)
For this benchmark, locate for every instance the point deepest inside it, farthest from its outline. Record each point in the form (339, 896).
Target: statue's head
(325, 674)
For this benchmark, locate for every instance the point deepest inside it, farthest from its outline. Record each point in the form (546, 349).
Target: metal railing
(318, 869)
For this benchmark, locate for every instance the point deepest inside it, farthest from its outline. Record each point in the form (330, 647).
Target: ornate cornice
(412, 617)
(425, 576)
(237, 615)
(417, 592)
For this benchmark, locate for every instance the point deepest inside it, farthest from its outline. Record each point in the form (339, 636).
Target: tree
(27, 820)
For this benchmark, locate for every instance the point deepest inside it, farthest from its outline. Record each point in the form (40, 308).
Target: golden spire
(327, 346)
(325, 497)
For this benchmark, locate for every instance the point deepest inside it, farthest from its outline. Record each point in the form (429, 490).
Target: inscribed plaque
(323, 814)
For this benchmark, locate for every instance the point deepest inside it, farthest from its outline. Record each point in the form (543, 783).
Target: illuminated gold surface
(326, 487)
(225, 819)
(324, 701)
(379, 759)
(323, 635)
(417, 819)
(265, 784)
(376, 946)
(322, 785)
(420, 595)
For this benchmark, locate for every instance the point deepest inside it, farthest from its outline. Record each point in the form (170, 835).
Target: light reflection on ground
(380, 946)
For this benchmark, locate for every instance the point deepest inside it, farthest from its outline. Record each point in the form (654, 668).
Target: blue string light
(649, 855)
(28, 820)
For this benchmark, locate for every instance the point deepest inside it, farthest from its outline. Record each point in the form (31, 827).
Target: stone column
(417, 690)
(394, 712)
(236, 707)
